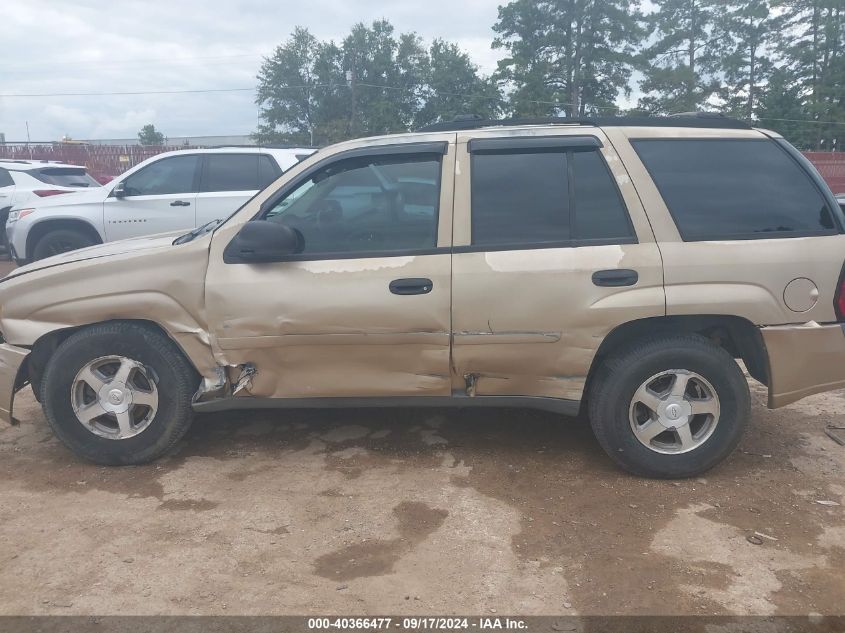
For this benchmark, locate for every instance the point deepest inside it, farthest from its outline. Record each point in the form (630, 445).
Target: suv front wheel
(118, 393)
(671, 406)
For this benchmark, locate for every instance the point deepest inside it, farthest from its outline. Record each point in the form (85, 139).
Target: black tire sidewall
(75, 237)
(136, 344)
(612, 423)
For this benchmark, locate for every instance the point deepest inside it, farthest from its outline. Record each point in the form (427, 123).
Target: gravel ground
(422, 512)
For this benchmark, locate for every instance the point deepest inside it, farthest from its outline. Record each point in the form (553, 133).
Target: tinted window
(717, 189)
(5, 179)
(166, 176)
(237, 172)
(520, 198)
(64, 176)
(599, 212)
(369, 204)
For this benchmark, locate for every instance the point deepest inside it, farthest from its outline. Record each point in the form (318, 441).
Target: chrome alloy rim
(675, 411)
(114, 397)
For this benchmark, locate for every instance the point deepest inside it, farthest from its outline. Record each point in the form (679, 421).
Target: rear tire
(709, 380)
(167, 380)
(60, 241)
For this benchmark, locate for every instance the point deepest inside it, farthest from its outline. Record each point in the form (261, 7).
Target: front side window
(369, 204)
(533, 198)
(166, 176)
(734, 189)
(237, 172)
(5, 179)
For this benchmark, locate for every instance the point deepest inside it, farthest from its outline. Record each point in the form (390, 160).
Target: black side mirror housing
(119, 191)
(262, 241)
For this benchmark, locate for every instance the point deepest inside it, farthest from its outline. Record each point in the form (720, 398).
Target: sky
(62, 46)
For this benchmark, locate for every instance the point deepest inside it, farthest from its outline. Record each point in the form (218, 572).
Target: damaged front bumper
(12, 378)
(804, 360)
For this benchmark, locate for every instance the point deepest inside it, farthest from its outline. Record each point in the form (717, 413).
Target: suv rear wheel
(118, 393)
(60, 241)
(668, 407)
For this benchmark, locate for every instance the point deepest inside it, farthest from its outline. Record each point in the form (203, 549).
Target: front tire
(118, 393)
(669, 407)
(60, 241)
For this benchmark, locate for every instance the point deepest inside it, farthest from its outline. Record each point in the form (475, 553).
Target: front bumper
(11, 378)
(803, 360)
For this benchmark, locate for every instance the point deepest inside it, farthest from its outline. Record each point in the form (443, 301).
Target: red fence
(831, 166)
(107, 161)
(104, 162)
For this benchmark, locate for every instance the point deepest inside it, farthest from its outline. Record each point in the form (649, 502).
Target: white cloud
(54, 46)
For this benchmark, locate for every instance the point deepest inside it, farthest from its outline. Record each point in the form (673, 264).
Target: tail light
(839, 298)
(44, 193)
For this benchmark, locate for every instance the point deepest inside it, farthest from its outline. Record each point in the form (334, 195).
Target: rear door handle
(411, 286)
(615, 277)
(180, 203)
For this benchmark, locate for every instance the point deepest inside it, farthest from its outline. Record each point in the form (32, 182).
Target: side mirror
(261, 241)
(119, 191)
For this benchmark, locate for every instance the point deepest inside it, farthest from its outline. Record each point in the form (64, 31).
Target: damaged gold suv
(619, 268)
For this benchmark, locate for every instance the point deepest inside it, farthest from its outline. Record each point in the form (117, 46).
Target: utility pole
(350, 81)
(28, 140)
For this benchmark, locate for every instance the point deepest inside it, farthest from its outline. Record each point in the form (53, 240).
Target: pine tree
(568, 57)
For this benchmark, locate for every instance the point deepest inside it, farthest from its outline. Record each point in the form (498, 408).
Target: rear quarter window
(735, 189)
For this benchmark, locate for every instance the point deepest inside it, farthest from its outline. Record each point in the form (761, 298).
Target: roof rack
(686, 119)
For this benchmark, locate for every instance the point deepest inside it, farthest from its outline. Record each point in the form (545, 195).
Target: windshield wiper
(201, 230)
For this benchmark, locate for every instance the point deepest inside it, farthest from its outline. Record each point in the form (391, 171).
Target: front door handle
(615, 277)
(411, 286)
(180, 203)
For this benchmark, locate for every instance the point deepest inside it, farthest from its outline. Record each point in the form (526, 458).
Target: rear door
(159, 198)
(552, 252)
(229, 180)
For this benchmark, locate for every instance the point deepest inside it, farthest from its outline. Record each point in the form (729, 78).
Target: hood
(109, 249)
(74, 196)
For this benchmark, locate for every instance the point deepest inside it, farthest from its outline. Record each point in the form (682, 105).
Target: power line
(111, 62)
(135, 93)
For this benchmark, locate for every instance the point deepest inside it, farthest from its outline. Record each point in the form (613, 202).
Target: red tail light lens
(44, 193)
(839, 298)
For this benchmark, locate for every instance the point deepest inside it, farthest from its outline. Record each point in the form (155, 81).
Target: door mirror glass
(263, 241)
(119, 190)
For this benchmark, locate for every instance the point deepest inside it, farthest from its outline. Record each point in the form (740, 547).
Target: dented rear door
(552, 252)
(365, 309)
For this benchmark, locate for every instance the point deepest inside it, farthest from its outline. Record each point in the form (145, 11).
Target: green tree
(149, 135)
(781, 108)
(569, 57)
(682, 63)
(452, 86)
(812, 48)
(373, 82)
(748, 30)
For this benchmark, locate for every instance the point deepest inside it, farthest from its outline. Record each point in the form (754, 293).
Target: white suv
(25, 182)
(173, 191)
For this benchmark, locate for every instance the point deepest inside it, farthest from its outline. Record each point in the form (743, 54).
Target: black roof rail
(686, 119)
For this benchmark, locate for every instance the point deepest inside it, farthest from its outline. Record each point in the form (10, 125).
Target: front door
(159, 198)
(364, 309)
(552, 251)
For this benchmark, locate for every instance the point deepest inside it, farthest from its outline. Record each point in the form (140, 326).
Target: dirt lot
(422, 511)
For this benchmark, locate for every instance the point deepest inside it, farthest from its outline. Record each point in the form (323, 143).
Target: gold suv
(614, 267)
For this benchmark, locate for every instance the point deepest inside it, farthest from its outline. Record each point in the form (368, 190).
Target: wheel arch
(736, 335)
(45, 346)
(40, 229)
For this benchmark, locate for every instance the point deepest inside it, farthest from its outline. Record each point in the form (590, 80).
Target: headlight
(14, 216)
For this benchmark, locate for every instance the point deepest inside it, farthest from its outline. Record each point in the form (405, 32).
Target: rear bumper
(11, 360)
(803, 360)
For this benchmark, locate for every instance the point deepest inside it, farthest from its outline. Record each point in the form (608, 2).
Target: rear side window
(5, 179)
(238, 172)
(536, 198)
(734, 189)
(64, 176)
